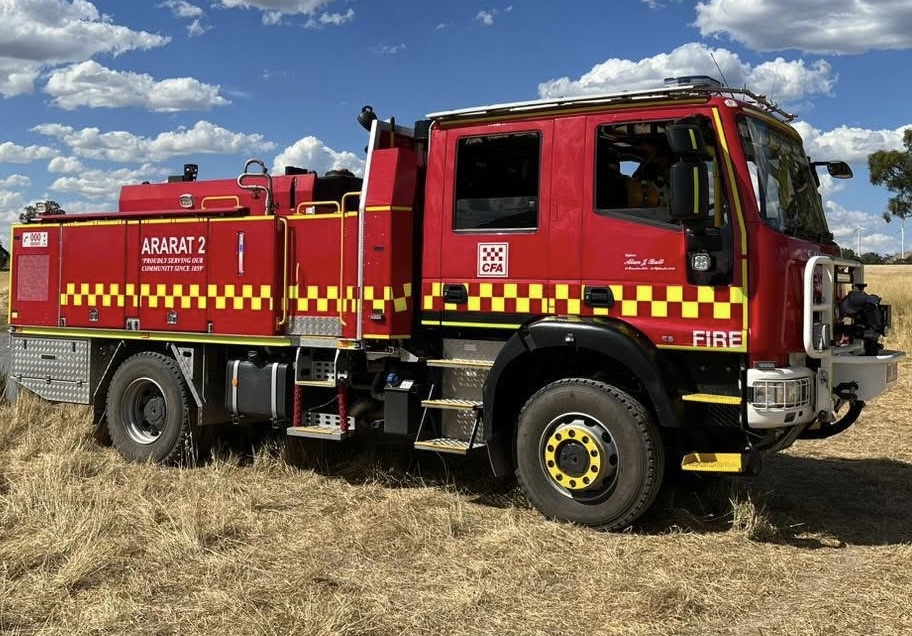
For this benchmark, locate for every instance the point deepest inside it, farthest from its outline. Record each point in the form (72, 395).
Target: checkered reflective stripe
(685, 302)
(329, 299)
(169, 296)
(306, 299)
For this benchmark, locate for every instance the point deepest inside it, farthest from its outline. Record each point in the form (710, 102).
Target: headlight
(781, 394)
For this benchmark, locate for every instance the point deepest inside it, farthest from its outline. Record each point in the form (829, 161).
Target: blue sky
(96, 94)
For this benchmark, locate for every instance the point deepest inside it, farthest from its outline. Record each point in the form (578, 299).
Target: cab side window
(497, 182)
(632, 166)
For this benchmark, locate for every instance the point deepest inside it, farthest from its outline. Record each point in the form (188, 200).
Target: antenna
(718, 68)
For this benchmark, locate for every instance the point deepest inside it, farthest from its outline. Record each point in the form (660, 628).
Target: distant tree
(849, 254)
(872, 258)
(892, 169)
(39, 209)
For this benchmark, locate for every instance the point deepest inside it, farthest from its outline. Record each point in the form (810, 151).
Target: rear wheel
(147, 409)
(588, 453)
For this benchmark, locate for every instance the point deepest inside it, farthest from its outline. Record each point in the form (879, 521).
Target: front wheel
(588, 453)
(147, 409)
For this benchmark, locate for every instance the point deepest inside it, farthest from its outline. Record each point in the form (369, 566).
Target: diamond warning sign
(493, 259)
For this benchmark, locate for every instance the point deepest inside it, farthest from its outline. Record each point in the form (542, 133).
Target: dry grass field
(343, 542)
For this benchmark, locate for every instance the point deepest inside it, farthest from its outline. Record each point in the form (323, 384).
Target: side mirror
(837, 169)
(689, 190)
(685, 139)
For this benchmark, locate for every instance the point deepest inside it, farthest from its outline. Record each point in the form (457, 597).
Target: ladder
(459, 408)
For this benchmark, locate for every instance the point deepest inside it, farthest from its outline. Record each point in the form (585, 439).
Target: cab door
(638, 262)
(494, 226)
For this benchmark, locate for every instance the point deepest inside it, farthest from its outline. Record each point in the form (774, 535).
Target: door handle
(455, 293)
(598, 297)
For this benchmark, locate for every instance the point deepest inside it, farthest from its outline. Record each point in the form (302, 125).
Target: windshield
(783, 180)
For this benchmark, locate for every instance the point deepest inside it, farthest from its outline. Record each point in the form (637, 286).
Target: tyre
(588, 453)
(147, 409)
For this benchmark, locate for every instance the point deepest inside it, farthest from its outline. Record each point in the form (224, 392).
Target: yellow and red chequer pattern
(330, 299)
(306, 299)
(682, 302)
(169, 296)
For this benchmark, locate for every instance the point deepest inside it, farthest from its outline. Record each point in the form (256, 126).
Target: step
(461, 363)
(452, 404)
(715, 462)
(448, 445)
(330, 384)
(321, 431)
(711, 398)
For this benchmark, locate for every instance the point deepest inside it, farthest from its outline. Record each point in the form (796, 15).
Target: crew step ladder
(319, 375)
(460, 407)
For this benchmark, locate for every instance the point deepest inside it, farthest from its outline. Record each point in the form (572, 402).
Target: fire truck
(594, 291)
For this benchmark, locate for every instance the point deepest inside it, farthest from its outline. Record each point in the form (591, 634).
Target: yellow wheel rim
(572, 457)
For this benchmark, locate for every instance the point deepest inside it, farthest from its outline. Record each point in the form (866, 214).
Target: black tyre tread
(176, 451)
(650, 434)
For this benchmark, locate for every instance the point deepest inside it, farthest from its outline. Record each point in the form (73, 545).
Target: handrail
(263, 174)
(224, 197)
(826, 306)
(342, 296)
(284, 223)
(316, 203)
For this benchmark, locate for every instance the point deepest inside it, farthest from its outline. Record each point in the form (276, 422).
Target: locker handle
(598, 297)
(455, 293)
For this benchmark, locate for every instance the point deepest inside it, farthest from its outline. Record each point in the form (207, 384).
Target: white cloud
(274, 10)
(783, 81)
(272, 18)
(848, 143)
(196, 28)
(486, 17)
(182, 9)
(330, 19)
(834, 26)
(14, 153)
(15, 181)
(91, 84)
(38, 34)
(121, 146)
(443, 25)
(65, 165)
(100, 184)
(313, 154)
(284, 6)
(871, 237)
(384, 49)
(11, 206)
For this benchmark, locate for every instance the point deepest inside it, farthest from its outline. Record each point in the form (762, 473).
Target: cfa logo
(493, 260)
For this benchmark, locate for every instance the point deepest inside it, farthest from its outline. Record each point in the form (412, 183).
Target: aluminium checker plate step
(318, 432)
(461, 363)
(329, 384)
(452, 404)
(322, 426)
(448, 445)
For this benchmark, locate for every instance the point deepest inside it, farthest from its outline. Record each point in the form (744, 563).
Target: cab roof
(674, 91)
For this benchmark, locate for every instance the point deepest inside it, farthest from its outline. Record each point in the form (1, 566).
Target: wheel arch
(552, 349)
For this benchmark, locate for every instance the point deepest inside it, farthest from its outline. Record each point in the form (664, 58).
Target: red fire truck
(586, 289)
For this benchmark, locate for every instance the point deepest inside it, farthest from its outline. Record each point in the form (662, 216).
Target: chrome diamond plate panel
(314, 326)
(57, 369)
(464, 383)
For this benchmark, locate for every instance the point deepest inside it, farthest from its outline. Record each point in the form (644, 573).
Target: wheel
(147, 409)
(588, 453)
